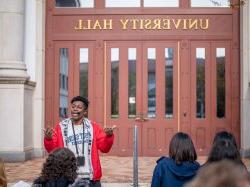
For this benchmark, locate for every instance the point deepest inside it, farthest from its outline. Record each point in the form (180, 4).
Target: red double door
(162, 87)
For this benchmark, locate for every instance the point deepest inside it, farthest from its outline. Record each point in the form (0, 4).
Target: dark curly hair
(60, 163)
(84, 100)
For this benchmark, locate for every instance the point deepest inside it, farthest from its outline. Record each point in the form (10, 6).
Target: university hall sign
(143, 24)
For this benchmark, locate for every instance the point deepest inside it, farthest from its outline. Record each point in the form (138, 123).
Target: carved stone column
(16, 91)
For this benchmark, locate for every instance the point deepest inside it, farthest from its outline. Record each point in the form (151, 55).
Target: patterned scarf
(87, 127)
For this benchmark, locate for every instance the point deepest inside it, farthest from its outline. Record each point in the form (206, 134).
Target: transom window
(210, 3)
(139, 3)
(75, 3)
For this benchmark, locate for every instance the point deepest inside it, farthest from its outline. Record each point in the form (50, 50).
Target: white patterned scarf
(85, 171)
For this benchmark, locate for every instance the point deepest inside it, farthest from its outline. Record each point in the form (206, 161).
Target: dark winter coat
(61, 182)
(169, 174)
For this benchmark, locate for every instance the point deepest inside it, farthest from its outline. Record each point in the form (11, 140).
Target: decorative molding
(17, 81)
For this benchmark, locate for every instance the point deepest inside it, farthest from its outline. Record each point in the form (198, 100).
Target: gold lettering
(124, 23)
(78, 25)
(147, 24)
(157, 23)
(184, 24)
(107, 24)
(141, 24)
(193, 23)
(134, 22)
(166, 24)
(204, 27)
(176, 24)
(97, 24)
(88, 25)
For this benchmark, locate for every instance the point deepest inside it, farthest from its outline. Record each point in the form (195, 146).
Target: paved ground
(115, 170)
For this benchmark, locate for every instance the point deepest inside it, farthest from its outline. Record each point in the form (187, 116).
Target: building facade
(165, 66)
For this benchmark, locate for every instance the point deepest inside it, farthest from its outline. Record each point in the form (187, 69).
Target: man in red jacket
(84, 138)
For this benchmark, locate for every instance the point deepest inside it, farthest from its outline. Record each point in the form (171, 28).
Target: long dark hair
(182, 148)
(223, 149)
(224, 135)
(60, 163)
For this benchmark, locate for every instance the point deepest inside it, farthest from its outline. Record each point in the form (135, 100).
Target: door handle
(140, 118)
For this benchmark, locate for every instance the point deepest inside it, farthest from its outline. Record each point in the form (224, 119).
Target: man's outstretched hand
(109, 130)
(48, 132)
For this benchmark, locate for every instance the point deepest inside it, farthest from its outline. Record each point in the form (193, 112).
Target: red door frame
(58, 35)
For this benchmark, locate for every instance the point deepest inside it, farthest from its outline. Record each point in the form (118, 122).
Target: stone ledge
(17, 81)
(16, 156)
(245, 153)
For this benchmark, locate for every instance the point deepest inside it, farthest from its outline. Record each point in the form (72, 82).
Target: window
(151, 82)
(122, 3)
(75, 3)
(84, 67)
(63, 81)
(115, 82)
(200, 82)
(132, 82)
(161, 3)
(210, 3)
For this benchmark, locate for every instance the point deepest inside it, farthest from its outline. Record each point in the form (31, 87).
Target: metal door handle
(140, 118)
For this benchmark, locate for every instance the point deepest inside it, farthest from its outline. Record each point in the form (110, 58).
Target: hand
(48, 132)
(109, 130)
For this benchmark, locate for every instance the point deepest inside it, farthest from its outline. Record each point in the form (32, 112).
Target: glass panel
(64, 64)
(200, 82)
(221, 82)
(151, 82)
(122, 3)
(84, 66)
(161, 3)
(114, 82)
(210, 3)
(75, 3)
(132, 82)
(169, 82)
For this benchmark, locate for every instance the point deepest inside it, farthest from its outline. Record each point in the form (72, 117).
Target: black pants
(95, 184)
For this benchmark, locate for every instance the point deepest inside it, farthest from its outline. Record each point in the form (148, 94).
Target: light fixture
(238, 5)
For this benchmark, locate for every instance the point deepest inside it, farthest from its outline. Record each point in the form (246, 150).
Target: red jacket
(100, 142)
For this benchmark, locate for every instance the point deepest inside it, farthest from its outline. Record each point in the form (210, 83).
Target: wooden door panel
(201, 121)
(124, 123)
(203, 129)
(156, 128)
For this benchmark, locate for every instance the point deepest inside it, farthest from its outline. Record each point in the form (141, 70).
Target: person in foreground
(224, 173)
(180, 167)
(59, 170)
(84, 138)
